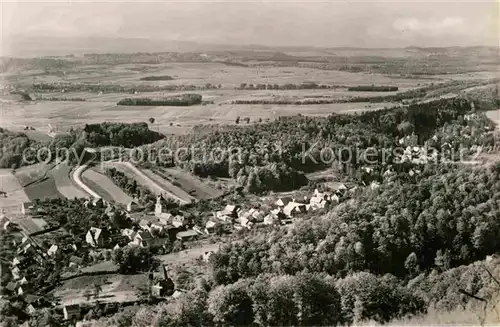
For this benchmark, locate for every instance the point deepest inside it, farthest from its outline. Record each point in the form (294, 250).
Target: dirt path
(77, 174)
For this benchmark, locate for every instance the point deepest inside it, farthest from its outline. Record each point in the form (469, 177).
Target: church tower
(158, 207)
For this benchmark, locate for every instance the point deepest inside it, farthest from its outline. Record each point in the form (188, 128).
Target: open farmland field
(40, 181)
(29, 225)
(40, 136)
(217, 73)
(104, 186)
(11, 203)
(176, 120)
(180, 120)
(64, 184)
(115, 288)
(194, 186)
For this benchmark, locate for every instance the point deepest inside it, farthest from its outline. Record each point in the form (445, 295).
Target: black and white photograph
(249, 163)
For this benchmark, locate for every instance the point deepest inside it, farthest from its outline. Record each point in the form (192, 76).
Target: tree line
(188, 99)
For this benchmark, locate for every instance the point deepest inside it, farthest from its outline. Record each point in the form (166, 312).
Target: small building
(143, 239)
(71, 312)
(245, 222)
(16, 261)
(145, 224)
(179, 221)
(15, 273)
(98, 203)
(76, 260)
(210, 227)
(11, 286)
(278, 213)
(31, 309)
(27, 208)
(95, 237)
(207, 255)
(23, 281)
(223, 217)
(127, 232)
(283, 201)
(231, 211)
(294, 208)
(165, 218)
(188, 235)
(133, 206)
(52, 250)
(338, 188)
(334, 198)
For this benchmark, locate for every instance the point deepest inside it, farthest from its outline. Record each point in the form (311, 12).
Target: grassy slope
(192, 185)
(103, 186)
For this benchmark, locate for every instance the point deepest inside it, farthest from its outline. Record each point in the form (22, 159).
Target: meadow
(179, 120)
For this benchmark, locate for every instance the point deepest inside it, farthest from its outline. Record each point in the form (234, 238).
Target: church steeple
(158, 207)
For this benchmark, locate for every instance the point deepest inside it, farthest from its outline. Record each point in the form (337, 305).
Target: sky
(294, 23)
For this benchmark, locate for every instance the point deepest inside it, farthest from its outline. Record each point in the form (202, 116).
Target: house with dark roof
(96, 237)
(71, 311)
(283, 201)
(27, 208)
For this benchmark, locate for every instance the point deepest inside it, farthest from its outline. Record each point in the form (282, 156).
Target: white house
(52, 250)
(15, 273)
(210, 227)
(133, 206)
(282, 202)
(94, 237)
(294, 208)
(207, 255)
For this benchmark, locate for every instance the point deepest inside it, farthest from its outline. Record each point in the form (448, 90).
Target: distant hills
(23, 46)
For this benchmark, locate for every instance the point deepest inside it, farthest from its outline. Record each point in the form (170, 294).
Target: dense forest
(157, 78)
(253, 154)
(127, 135)
(373, 88)
(45, 87)
(14, 145)
(187, 99)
